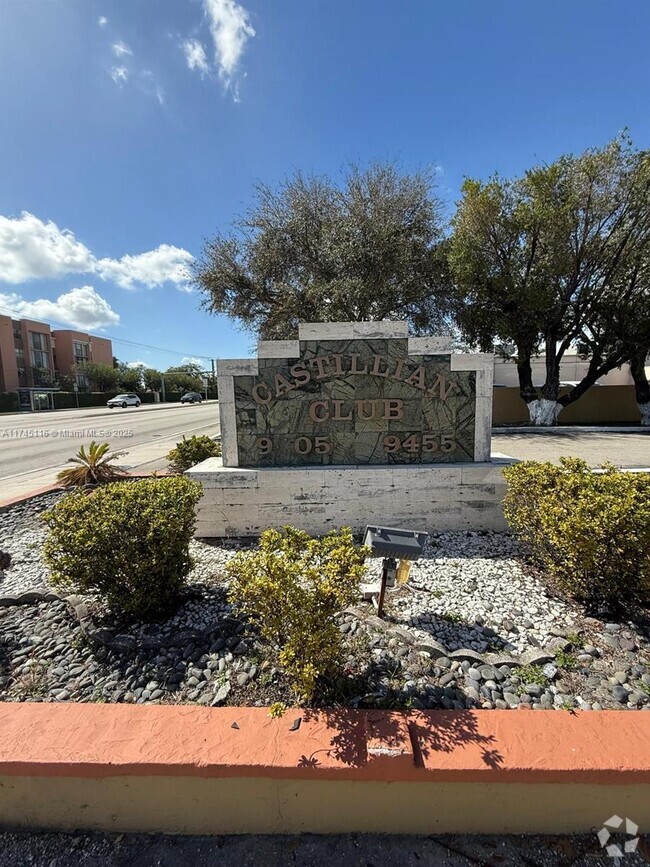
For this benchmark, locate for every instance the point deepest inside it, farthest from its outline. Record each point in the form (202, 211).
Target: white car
(123, 400)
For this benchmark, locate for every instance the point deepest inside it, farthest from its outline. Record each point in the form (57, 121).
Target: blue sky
(131, 130)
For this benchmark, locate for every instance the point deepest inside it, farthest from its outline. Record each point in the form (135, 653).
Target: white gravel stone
(470, 590)
(23, 533)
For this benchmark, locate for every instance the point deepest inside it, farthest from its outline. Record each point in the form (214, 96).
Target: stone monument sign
(358, 401)
(353, 400)
(352, 423)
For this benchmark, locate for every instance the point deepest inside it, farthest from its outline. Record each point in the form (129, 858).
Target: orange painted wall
(8, 366)
(28, 326)
(101, 349)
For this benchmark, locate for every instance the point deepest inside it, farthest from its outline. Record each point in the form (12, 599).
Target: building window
(81, 352)
(40, 359)
(82, 381)
(38, 341)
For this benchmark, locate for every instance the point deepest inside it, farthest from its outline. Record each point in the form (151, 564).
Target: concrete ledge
(240, 501)
(278, 349)
(351, 330)
(430, 345)
(236, 770)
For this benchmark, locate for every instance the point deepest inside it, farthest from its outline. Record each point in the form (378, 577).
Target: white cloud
(195, 56)
(102, 21)
(190, 359)
(82, 307)
(136, 364)
(165, 264)
(30, 249)
(119, 74)
(231, 29)
(121, 48)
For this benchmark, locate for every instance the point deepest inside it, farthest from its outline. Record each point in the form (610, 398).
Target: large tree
(129, 376)
(623, 325)
(546, 261)
(151, 378)
(184, 377)
(315, 250)
(102, 376)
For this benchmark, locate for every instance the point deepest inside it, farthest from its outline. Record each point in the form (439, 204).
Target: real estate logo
(614, 825)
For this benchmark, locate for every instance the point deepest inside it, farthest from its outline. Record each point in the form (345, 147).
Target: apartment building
(33, 355)
(74, 347)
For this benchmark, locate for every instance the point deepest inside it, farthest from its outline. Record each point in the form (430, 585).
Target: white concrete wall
(244, 502)
(572, 369)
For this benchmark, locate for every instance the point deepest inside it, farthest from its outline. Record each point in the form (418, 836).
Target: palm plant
(92, 467)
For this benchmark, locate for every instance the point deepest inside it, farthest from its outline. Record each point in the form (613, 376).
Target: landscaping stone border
(436, 650)
(103, 636)
(100, 636)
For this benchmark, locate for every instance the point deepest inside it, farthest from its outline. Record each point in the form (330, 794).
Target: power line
(112, 339)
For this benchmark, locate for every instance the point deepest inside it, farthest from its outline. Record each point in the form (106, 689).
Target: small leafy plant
(92, 467)
(128, 544)
(452, 617)
(532, 674)
(189, 452)
(293, 587)
(277, 709)
(565, 660)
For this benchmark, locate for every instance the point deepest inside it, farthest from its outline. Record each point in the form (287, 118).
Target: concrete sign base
(240, 501)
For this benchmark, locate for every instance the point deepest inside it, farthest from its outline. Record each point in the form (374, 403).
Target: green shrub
(9, 401)
(293, 588)
(92, 467)
(189, 452)
(590, 530)
(127, 543)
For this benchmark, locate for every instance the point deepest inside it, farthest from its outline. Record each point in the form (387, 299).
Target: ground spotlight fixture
(393, 544)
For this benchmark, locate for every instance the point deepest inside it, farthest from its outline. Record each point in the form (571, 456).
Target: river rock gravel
(474, 627)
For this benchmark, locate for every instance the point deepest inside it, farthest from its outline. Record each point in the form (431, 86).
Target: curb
(5, 505)
(570, 428)
(91, 409)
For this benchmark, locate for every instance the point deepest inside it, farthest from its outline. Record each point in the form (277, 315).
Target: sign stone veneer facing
(354, 423)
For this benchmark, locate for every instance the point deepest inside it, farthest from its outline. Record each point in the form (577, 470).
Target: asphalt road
(35, 446)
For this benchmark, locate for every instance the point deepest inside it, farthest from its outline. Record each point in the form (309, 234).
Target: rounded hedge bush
(189, 452)
(126, 543)
(589, 529)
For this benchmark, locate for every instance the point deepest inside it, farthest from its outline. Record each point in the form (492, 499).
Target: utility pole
(162, 386)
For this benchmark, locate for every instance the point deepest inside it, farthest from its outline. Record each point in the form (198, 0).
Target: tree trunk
(544, 413)
(641, 384)
(541, 411)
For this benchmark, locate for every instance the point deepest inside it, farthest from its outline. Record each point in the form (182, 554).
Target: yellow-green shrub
(189, 452)
(590, 530)
(127, 543)
(292, 588)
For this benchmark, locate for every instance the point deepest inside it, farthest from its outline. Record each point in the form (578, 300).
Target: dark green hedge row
(8, 401)
(68, 399)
